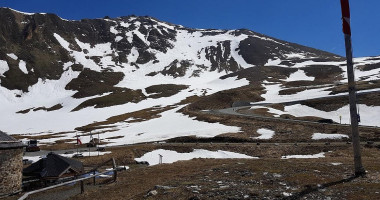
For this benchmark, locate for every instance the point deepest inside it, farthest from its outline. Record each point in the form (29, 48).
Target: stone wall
(10, 171)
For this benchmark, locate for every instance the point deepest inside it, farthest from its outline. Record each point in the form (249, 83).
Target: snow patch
(318, 155)
(299, 75)
(171, 124)
(13, 56)
(118, 38)
(169, 156)
(321, 136)
(295, 55)
(369, 114)
(3, 67)
(336, 164)
(265, 134)
(22, 66)
(87, 153)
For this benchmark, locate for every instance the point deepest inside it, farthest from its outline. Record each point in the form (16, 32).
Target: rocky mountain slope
(58, 75)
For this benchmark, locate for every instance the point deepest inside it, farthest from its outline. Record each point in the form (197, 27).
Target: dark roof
(8, 142)
(53, 166)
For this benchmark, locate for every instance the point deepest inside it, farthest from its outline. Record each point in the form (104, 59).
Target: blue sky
(311, 23)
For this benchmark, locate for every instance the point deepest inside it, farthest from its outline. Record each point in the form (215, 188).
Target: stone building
(11, 151)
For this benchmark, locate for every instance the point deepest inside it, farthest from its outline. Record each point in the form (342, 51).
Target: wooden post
(94, 177)
(81, 187)
(115, 171)
(359, 169)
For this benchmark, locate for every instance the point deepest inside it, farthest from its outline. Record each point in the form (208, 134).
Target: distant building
(54, 167)
(11, 152)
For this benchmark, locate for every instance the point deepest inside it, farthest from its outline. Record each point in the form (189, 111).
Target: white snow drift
(169, 156)
(265, 134)
(318, 155)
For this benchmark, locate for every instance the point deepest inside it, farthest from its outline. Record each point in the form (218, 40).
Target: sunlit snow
(265, 134)
(321, 136)
(169, 156)
(318, 155)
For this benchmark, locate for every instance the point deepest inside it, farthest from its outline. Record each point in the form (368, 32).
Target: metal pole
(359, 169)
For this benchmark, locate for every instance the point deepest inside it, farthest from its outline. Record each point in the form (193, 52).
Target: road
(234, 110)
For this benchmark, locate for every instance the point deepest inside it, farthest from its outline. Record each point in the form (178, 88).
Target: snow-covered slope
(58, 75)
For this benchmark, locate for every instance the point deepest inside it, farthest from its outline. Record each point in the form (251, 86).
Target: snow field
(63, 120)
(187, 46)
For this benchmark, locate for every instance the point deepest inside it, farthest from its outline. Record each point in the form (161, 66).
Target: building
(11, 152)
(53, 167)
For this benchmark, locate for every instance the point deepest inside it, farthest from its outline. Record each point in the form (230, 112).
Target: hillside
(127, 78)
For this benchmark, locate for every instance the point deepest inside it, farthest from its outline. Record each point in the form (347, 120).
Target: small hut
(11, 151)
(53, 167)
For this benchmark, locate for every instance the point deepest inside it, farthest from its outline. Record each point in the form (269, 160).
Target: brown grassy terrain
(360, 85)
(266, 178)
(225, 99)
(164, 90)
(140, 115)
(117, 97)
(286, 131)
(370, 99)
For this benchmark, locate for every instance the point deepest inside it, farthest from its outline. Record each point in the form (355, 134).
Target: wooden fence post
(81, 187)
(115, 171)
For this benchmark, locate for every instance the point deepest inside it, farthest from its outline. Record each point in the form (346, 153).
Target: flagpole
(359, 169)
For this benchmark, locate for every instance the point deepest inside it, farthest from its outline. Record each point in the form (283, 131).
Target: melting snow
(169, 156)
(187, 45)
(299, 75)
(320, 136)
(335, 164)
(88, 153)
(370, 116)
(91, 153)
(318, 155)
(3, 67)
(272, 94)
(170, 124)
(295, 55)
(22, 66)
(13, 56)
(265, 134)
